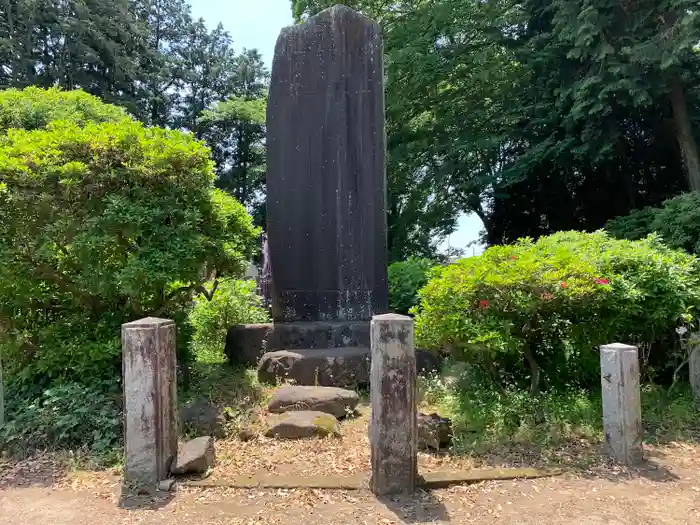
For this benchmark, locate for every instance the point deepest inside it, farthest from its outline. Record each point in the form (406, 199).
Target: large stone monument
(326, 198)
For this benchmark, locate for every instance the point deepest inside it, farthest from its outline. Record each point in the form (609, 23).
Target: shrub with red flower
(564, 284)
(483, 303)
(602, 281)
(546, 296)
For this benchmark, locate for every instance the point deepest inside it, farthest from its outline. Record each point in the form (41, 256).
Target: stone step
(304, 424)
(346, 367)
(331, 400)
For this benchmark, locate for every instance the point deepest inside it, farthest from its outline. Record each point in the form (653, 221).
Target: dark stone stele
(326, 183)
(326, 203)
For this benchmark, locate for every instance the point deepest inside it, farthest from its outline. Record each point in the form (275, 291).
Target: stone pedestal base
(246, 343)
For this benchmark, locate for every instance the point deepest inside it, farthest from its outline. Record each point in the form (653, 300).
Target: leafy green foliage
(634, 226)
(405, 279)
(677, 221)
(34, 108)
(151, 58)
(70, 416)
(537, 116)
(539, 310)
(234, 302)
(101, 223)
(236, 130)
(489, 419)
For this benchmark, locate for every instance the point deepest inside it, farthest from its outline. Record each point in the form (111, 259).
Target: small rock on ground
(304, 424)
(166, 485)
(331, 400)
(195, 457)
(434, 432)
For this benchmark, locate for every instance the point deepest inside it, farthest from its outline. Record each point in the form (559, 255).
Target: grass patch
(487, 420)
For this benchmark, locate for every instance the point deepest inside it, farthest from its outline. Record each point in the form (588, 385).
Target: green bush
(677, 222)
(234, 302)
(101, 223)
(70, 416)
(405, 279)
(537, 311)
(34, 108)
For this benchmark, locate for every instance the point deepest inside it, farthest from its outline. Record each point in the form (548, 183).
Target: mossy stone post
(150, 400)
(622, 409)
(393, 425)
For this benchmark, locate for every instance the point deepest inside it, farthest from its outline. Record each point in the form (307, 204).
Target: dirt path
(666, 493)
(555, 501)
(43, 491)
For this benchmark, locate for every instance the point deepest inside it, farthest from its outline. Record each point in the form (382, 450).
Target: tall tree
(235, 129)
(633, 54)
(536, 115)
(161, 67)
(88, 44)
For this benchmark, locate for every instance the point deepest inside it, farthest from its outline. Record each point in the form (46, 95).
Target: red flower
(513, 257)
(564, 284)
(547, 296)
(483, 303)
(602, 281)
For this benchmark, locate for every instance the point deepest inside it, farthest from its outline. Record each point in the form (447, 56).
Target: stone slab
(326, 181)
(246, 344)
(331, 400)
(339, 367)
(304, 424)
(428, 480)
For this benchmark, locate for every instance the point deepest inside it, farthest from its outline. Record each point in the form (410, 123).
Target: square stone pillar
(694, 365)
(393, 424)
(622, 408)
(150, 400)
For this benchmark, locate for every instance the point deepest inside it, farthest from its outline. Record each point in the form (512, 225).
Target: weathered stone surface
(694, 365)
(341, 367)
(393, 424)
(150, 400)
(622, 409)
(336, 401)
(195, 457)
(246, 344)
(304, 424)
(430, 480)
(318, 334)
(434, 432)
(166, 485)
(326, 184)
(203, 417)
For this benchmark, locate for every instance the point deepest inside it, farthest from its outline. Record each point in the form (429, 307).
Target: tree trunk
(684, 133)
(534, 370)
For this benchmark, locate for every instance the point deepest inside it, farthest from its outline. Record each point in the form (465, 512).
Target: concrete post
(694, 365)
(393, 424)
(150, 400)
(622, 409)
